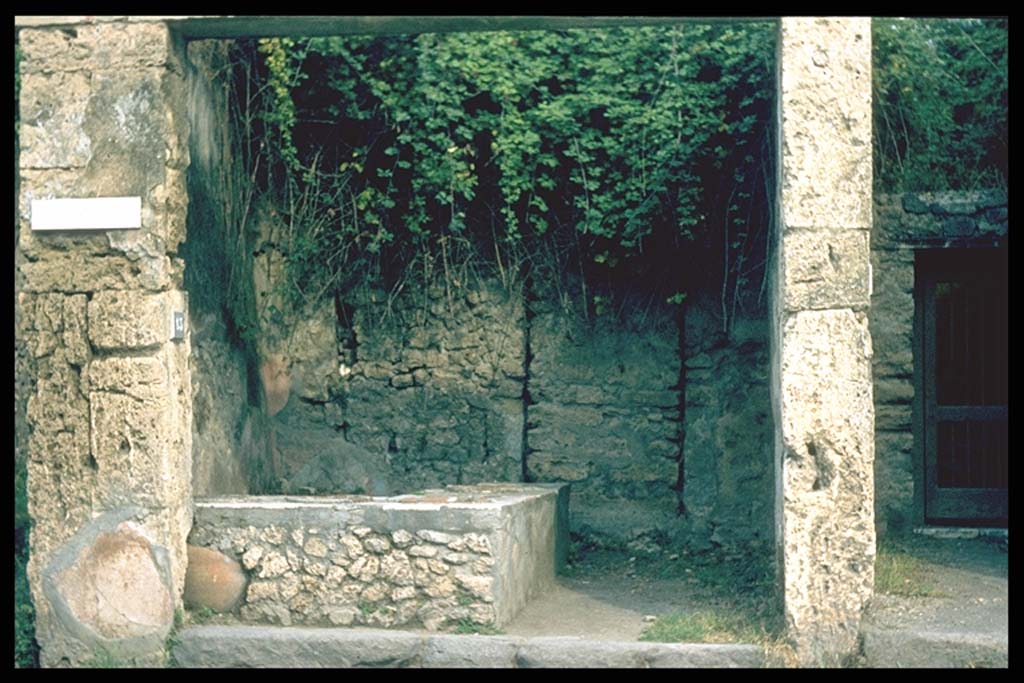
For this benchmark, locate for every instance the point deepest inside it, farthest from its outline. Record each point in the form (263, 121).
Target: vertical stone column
(821, 347)
(109, 413)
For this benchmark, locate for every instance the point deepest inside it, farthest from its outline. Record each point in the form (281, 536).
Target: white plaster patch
(97, 213)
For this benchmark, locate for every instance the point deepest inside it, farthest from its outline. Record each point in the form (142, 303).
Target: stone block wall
(437, 389)
(434, 394)
(905, 225)
(429, 395)
(383, 396)
(109, 406)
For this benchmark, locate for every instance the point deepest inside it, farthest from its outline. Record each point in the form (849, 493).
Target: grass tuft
(898, 572)
(703, 626)
(467, 626)
(102, 659)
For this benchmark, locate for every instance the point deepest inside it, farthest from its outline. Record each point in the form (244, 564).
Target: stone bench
(463, 556)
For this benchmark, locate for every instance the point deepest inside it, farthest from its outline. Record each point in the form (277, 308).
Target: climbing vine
(611, 157)
(607, 154)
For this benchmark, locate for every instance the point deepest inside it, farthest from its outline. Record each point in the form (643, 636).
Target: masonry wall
(604, 415)
(905, 225)
(424, 392)
(428, 388)
(456, 556)
(728, 437)
(109, 403)
(229, 450)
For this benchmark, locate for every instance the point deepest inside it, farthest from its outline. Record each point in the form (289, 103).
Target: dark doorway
(963, 328)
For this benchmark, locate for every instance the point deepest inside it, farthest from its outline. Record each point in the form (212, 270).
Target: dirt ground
(971, 586)
(605, 606)
(613, 595)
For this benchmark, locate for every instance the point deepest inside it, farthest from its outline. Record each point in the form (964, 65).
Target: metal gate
(962, 301)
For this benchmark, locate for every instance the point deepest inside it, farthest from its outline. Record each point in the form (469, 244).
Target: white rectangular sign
(100, 213)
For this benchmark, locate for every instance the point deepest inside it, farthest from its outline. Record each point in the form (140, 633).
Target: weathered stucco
(728, 473)
(821, 372)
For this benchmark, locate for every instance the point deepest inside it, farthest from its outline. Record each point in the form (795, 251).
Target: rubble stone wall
(439, 559)
(426, 393)
(603, 414)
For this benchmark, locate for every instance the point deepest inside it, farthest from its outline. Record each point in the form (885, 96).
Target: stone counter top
(438, 558)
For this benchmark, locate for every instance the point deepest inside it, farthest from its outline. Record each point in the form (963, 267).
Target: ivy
(628, 156)
(605, 150)
(280, 116)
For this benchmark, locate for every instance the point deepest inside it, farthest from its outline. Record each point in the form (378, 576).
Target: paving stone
(907, 649)
(563, 652)
(460, 652)
(286, 648)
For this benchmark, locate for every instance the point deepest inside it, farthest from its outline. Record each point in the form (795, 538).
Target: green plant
(26, 650)
(202, 615)
(468, 626)
(940, 103)
(605, 154)
(704, 626)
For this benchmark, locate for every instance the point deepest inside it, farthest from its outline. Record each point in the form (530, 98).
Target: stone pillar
(103, 114)
(821, 347)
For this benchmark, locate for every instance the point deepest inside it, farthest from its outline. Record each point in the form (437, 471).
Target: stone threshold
(961, 532)
(216, 646)
(912, 648)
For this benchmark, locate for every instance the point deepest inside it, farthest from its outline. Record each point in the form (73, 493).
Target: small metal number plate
(178, 326)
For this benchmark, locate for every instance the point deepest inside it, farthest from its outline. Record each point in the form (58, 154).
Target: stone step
(910, 648)
(299, 647)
